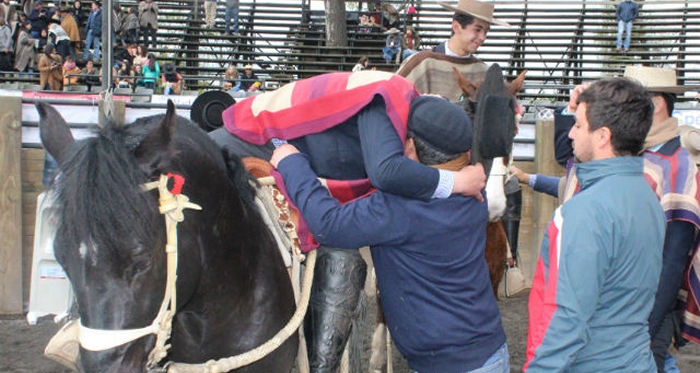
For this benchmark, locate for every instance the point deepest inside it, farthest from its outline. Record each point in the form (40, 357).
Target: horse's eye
(139, 266)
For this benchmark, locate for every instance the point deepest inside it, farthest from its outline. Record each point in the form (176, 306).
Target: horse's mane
(100, 195)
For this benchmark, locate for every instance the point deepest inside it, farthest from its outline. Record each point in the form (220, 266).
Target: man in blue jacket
(627, 11)
(600, 261)
(93, 32)
(428, 254)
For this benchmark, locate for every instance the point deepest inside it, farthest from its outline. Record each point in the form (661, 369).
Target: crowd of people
(64, 45)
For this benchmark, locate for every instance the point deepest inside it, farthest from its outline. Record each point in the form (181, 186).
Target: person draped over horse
(428, 255)
(352, 128)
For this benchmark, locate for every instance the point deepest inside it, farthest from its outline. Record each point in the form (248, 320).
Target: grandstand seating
(561, 43)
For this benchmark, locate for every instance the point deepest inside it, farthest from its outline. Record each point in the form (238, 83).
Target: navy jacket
(429, 260)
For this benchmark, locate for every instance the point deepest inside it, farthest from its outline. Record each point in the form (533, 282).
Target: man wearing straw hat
(672, 174)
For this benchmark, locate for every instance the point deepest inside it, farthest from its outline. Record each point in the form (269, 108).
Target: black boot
(511, 219)
(339, 278)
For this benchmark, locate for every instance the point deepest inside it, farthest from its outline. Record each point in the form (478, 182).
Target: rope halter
(172, 204)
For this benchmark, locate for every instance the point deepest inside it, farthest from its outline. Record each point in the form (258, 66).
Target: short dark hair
(428, 154)
(669, 99)
(463, 19)
(622, 105)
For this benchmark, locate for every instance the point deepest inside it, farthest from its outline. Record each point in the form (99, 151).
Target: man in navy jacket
(428, 254)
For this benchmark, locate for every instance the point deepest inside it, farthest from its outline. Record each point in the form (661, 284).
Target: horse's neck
(495, 192)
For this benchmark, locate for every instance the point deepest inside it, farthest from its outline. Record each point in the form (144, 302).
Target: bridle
(172, 204)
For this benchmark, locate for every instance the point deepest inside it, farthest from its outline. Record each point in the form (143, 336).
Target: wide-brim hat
(207, 108)
(440, 123)
(392, 30)
(658, 79)
(169, 68)
(478, 9)
(494, 121)
(690, 139)
(247, 67)
(64, 9)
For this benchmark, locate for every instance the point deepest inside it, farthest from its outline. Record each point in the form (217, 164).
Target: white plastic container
(50, 291)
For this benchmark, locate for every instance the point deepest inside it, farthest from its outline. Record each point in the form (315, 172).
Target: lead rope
(171, 206)
(234, 362)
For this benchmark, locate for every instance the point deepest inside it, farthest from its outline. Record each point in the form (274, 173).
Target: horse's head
(111, 238)
(499, 135)
(470, 90)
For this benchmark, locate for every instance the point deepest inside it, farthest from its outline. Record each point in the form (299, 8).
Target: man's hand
(523, 177)
(282, 152)
(469, 181)
(573, 96)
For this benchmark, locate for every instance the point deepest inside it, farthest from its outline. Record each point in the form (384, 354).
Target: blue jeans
(627, 28)
(231, 12)
(499, 362)
(94, 43)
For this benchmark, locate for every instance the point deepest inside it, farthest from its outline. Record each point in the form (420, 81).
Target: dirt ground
(22, 345)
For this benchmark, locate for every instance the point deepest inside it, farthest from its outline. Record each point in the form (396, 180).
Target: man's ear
(409, 150)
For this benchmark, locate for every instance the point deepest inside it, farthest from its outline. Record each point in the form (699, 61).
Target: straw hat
(657, 79)
(478, 9)
(247, 67)
(690, 139)
(392, 30)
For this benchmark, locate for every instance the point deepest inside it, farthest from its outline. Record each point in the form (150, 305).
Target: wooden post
(119, 113)
(546, 164)
(10, 205)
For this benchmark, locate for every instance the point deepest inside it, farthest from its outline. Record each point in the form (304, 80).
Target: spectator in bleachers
(150, 72)
(70, 26)
(128, 54)
(626, 12)
(171, 80)
(148, 18)
(209, 13)
(50, 69)
(231, 76)
(248, 78)
(59, 37)
(122, 73)
(91, 77)
(410, 42)
(390, 17)
(80, 14)
(117, 17)
(366, 24)
(5, 46)
(7, 12)
(140, 58)
(376, 15)
(392, 45)
(362, 64)
(232, 7)
(93, 32)
(25, 52)
(37, 16)
(71, 72)
(130, 27)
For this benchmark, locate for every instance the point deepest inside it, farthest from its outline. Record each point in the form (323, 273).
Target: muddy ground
(22, 345)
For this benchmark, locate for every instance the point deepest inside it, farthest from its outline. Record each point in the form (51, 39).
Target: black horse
(233, 291)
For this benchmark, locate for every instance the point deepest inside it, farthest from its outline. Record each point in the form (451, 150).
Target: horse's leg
(339, 278)
(495, 253)
(511, 219)
(378, 360)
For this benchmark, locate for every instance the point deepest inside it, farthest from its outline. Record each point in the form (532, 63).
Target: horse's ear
(517, 84)
(55, 134)
(151, 150)
(466, 85)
